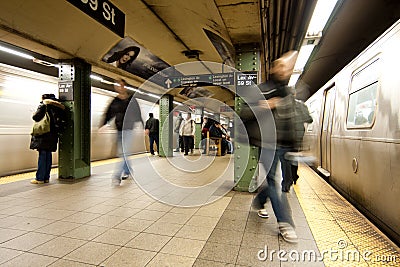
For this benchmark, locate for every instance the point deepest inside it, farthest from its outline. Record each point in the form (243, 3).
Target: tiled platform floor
(90, 223)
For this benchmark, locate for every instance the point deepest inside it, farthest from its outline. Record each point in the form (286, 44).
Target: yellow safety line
(337, 226)
(54, 171)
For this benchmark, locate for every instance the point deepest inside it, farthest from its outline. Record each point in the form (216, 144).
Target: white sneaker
(263, 213)
(287, 232)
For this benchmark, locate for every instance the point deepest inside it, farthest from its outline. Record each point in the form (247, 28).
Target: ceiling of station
(167, 29)
(59, 30)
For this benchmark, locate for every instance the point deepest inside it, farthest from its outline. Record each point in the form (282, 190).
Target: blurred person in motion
(47, 142)
(279, 100)
(124, 58)
(152, 129)
(302, 116)
(123, 104)
(177, 127)
(187, 131)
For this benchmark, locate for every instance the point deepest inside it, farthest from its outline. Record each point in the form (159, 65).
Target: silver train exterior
(20, 94)
(355, 136)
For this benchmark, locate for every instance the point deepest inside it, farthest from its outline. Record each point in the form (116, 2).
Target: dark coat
(48, 141)
(118, 108)
(264, 128)
(302, 116)
(152, 124)
(215, 131)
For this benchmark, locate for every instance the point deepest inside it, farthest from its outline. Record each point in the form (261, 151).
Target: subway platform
(91, 223)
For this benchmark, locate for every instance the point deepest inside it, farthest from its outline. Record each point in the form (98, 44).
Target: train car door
(326, 130)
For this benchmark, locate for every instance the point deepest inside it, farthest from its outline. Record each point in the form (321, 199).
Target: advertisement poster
(134, 58)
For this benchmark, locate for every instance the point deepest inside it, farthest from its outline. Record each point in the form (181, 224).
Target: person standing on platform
(152, 129)
(179, 141)
(187, 131)
(47, 142)
(123, 104)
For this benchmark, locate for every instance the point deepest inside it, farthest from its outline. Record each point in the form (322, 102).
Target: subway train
(355, 136)
(20, 94)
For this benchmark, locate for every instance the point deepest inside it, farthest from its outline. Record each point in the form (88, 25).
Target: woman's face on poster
(125, 58)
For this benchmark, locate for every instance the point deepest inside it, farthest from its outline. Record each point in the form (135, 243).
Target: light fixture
(304, 54)
(97, 78)
(177, 103)
(321, 14)
(27, 56)
(294, 78)
(15, 52)
(152, 95)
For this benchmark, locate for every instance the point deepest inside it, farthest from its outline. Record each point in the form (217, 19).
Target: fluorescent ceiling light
(177, 103)
(152, 95)
(131, 88)
(293, 79)
(320, 16)
(94, 77)
(14, 52)
(304, 54)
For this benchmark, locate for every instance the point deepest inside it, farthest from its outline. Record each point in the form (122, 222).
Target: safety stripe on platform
(54, 171)
(345, 236)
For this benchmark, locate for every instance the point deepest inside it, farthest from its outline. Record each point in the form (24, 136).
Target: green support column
(74, 146)
(166, 126)
(198, 114)
(246, 156)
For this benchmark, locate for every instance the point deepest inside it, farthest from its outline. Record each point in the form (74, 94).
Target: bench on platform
(213, 144)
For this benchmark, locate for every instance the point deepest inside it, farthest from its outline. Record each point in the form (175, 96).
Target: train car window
(311, 109)
(362, 100)
(310, 126)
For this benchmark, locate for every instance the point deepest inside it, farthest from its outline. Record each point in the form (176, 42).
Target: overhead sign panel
(104, 12)
(218, 79)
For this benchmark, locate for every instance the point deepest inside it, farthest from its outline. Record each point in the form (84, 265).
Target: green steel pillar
(166, 126)
(246, 156)
(74, 147)
(198, 114)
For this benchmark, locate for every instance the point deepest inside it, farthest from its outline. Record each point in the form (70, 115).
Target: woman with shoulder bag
(47, 142)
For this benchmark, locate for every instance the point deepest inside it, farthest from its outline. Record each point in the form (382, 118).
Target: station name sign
(104, 12)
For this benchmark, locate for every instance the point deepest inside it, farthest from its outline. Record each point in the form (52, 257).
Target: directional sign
(221, 79)
(168, 83)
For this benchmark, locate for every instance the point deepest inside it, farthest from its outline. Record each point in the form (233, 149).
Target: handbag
(42, 126)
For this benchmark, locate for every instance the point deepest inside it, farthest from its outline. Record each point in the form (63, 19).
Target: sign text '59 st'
(104, 12)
